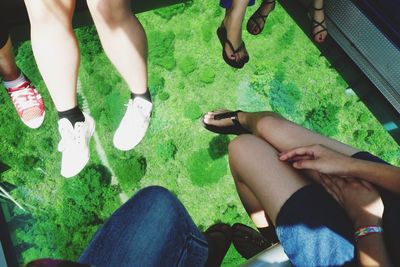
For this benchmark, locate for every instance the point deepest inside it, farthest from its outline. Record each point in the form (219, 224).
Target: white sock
(15, 83)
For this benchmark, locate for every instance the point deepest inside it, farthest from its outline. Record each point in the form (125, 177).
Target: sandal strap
(240, 47)
(233, 115)
(318, 23)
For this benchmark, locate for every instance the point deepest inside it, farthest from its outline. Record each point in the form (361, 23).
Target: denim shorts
(314, 229)
(228, 3)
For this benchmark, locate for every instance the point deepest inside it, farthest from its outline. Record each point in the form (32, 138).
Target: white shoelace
(24, 98)
(70, 138)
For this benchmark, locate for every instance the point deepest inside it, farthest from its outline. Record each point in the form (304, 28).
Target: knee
(157, 195)
(42, 13)
(108, 11)
(237, 145)
(268, 123)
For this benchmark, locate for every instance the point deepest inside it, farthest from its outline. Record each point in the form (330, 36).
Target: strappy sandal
(236, 128)
(315, 24)
(256, 17)
(223, 38)
(249, 242)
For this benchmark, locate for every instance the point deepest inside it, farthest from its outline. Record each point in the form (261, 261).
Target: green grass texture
(187, 77)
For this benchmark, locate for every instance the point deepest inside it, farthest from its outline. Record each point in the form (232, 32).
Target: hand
(318, 158)
(360, 200)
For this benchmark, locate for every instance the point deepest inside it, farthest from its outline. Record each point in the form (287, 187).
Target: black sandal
(249, 242)
(256, 16)
(223, 38)
(315, 24)
(236, 128)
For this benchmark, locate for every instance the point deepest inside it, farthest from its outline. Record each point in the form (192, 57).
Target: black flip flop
(223, 38)
(249, 242)
(256, 16)
(236, 128)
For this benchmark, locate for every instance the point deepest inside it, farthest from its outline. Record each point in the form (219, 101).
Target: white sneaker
(74, 145)
(134, 124)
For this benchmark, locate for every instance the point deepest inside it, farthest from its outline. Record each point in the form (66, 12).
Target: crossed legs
(263, 182)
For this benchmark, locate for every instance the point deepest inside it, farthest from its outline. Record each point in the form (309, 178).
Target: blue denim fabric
(151, 229)
(314, 230)
(228, 3)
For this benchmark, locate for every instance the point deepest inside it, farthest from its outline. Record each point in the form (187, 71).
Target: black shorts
(314, 229)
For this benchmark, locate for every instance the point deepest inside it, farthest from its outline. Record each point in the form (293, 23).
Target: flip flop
(236, 128)
(223, 38)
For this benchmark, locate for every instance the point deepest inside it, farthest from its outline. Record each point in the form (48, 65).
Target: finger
(330, 191)
(305, 164)
(367, 185)
(296, 152)
(332, 183)
(299, 158)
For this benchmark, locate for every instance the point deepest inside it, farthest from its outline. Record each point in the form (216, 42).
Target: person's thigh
(285, 135)
(151, 229)
(256, 164)
(49, 10)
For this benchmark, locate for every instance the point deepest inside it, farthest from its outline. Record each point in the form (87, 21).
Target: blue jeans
(228, 3)
(152, 229)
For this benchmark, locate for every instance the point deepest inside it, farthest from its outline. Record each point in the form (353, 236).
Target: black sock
(74, 115)
(269, 234)
(146, 95)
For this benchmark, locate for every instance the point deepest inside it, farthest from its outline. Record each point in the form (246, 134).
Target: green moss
(207, 75)
(323, 119)
(161, 48)
(192, 111)
(171, 11)
(164, 96)
(203, 170)
(167, 150)
(218, 146)
(130, 167)
(187, 65)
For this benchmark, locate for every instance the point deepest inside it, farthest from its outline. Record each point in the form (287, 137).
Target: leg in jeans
(151, 229)
(55, 48)
(123, 39)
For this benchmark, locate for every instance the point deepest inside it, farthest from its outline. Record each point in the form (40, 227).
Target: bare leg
(255, 164)
(285, 135)
(233, 22)
(279, 132)
(8, 69)
(55, 48)
(123, 40)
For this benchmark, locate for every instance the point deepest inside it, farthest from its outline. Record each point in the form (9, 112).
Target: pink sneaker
(28, 103)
